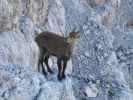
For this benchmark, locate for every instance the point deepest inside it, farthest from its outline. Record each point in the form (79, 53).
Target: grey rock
(101, 67)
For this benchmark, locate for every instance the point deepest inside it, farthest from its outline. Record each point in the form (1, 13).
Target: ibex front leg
(59, 64)
(64, 68)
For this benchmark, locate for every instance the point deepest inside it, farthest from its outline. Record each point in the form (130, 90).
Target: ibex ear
(74, 29)
(77, 31)
(78, 34)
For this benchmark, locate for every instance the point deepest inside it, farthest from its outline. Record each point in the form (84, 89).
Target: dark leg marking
(59, 68)
(41, 57)
(64, 68)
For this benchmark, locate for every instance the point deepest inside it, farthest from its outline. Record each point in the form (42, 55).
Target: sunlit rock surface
(18, 83)
(102, 63)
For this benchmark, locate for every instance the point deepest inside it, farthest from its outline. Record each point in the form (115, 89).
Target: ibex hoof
(50, 71)
(59, 78)
(63, 76)
(45, 73)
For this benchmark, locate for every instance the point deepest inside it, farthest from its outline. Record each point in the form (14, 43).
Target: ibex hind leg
(47, 65)
(41, 57)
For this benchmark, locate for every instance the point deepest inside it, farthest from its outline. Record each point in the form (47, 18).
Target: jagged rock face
(102, 58)
(12, 10)
(18, 83)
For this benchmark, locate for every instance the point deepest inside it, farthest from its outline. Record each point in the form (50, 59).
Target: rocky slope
(102, 60)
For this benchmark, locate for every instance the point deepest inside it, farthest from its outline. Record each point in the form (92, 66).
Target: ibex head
(73, 36)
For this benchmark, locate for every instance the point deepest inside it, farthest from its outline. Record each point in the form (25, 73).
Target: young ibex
(51, 44)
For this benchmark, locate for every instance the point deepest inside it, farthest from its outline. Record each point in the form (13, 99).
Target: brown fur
(51, 44)
(129, 23)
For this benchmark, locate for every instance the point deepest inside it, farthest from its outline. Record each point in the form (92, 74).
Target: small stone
(91, 92)
(87, 54)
